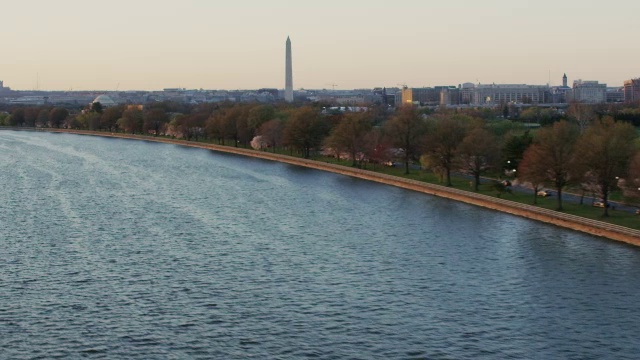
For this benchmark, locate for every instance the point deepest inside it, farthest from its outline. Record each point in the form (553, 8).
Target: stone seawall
(593, 227)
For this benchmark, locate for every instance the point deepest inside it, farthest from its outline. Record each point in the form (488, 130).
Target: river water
(128, 249)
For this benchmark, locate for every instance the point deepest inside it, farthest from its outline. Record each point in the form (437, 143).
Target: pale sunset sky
(211, 44)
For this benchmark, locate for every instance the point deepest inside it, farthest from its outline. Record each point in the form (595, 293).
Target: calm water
(126, 249)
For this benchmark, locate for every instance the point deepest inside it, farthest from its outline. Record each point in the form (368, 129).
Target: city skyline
(195, 44)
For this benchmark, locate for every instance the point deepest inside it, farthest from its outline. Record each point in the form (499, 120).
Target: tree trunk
(406, 163)
(559, 190)
(605, 200)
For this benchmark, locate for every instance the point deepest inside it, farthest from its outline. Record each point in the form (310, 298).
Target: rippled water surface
(127, 249)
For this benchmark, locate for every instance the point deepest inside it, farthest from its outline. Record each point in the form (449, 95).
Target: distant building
(484, 94)
(632, 90)
(561, 94)
(105, 100)
(272, 91)
(466, 93)
(4, 90)
(30, 100)
(615, 94)
(356, 97)
(450, 95)
(589, 92)
(421, 96)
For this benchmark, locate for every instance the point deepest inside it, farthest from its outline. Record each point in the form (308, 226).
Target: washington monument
(288, 87)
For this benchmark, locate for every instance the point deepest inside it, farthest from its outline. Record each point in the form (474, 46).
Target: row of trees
(42, 116)
(598, 157)
(586, 148)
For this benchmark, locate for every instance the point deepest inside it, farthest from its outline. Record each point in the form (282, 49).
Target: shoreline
(584, 225)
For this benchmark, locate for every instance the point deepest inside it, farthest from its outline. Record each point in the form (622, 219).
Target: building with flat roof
(485, 94)
(590, 92)
(615, 94)
(632, 90)
(421, 96)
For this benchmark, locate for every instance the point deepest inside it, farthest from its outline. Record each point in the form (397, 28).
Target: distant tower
(564, 80)
(288, 87)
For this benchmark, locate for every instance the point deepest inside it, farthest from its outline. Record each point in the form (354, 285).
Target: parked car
(600, 204)
(544, 193)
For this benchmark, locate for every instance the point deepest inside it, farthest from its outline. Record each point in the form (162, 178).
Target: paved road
(569, 197)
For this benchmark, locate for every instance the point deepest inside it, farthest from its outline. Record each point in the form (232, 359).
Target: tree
(272, 133)
(632, 181)
(350, 134)
(43, 118)
(30, 116)
(215, 126)
(17, 117)
(259, 115)
(442, 143)
(110, 116)
(88, 120)
(581, 114)
(533, 169)
(4, 119)
(191, 126)
(514, 148)
(406, 130)
(154, 120)
(131, 120)
(244, 131)
(97, 107)
(540, 116)
(57, 116)
(224, 124)
(478, 152)
(555, 153)
(606, 149)
(305, 130)
(376, 147)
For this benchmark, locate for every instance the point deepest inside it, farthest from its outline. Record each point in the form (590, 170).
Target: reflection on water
(129, 249)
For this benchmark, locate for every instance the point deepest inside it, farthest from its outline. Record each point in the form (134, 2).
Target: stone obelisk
(288, 87)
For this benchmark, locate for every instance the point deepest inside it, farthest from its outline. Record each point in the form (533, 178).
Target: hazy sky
(211, 44)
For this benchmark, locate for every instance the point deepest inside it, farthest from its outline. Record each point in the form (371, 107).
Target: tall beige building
(589, 92)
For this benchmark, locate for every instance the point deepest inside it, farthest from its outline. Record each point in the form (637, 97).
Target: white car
(544, 193)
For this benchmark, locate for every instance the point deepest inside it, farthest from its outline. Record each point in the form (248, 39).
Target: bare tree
(533, 169)
(406, 130)
(442, 143)
(553, 157)
(582, 114)
(350, 134)
(478, 152)
(605, 150)
(272, 133)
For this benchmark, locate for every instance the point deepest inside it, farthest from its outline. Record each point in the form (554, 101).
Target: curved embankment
(598, 228)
